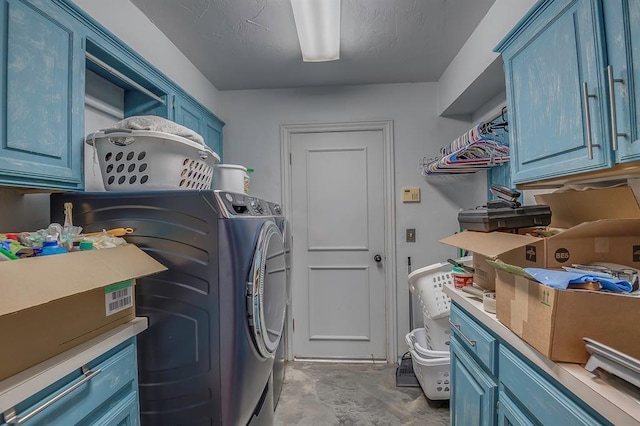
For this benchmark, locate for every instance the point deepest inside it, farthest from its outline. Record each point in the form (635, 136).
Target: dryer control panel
(235, 204)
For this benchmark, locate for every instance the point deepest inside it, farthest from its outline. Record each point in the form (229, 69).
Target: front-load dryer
(217, 313)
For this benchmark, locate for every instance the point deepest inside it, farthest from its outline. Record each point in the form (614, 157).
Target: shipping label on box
(118, 297)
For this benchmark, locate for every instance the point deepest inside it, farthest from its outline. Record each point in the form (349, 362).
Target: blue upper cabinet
(213, 134)
(623, 76)
(197, 118)
(188, 114)
(556, 93)
(41, 119)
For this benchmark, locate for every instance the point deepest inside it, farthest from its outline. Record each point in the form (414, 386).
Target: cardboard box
(555, 321)
(52, 303)
(601, 225)
(513, 249)
(607, 210)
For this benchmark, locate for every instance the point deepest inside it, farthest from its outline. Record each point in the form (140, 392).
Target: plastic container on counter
(461, 278)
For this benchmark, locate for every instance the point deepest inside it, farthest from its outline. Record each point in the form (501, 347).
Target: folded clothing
(562, 279)
(159, 124)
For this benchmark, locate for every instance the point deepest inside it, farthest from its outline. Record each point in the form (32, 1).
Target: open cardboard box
(554, 321)
(569, 211)
(601, 225)
(52, 303)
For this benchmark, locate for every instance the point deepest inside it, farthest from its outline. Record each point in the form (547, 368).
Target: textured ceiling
(252, 44)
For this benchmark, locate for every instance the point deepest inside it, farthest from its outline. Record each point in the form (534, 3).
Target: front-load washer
(215, 316)
(279, 363)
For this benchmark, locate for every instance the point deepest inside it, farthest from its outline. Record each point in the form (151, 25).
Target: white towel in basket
(159, 124)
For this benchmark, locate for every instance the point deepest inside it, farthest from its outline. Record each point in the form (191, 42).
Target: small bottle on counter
(51, 246)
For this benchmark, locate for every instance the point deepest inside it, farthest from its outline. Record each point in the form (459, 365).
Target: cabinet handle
(587, 117)
(612, 107)
(457, 327)
(12, 418)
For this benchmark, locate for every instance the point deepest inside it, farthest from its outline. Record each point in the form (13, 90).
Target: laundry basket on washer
(132, 160)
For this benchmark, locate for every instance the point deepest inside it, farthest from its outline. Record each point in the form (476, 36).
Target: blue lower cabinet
(545, 402)
(104, 391)
(509, 414)
(493, 384)
(474, 392)
(127, 413)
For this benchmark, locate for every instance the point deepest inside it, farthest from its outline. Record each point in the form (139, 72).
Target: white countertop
(19, 387)
(615, 400)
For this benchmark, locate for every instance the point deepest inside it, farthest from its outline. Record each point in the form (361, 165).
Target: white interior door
(338, 226)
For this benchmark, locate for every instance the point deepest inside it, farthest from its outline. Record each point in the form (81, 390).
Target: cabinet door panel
(546, 401)
(213, 139)
(126, 413)
(545, 73)
(473, 392)
(101, 394)
(44, 77)
(509, 414)
(623, 50)
(188, 115)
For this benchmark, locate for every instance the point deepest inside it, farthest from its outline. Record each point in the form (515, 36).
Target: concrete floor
(317, 394)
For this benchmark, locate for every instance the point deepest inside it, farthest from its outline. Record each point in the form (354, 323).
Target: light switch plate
(411, 194)
(411, 235)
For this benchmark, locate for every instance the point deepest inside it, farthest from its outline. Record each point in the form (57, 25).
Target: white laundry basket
(437, 333)
(417, 340)
(132, 160)
(433, 375)
(428, 283)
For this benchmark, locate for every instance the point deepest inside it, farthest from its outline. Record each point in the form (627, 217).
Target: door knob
(377, 258)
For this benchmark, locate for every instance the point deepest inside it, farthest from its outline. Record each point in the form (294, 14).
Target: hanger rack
(108, 68)
(482, 147)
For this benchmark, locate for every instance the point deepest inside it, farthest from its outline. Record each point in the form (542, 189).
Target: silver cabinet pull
(587, 117)
(457, 327)
(12, 418)
(612, 107)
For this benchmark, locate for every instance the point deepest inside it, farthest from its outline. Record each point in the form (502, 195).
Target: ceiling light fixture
(318, 25)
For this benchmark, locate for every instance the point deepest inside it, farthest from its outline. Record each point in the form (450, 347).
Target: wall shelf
(483, 147)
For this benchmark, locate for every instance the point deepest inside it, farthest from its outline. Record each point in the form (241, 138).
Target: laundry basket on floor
(433, 375)
(437, 333)
(428, 284)
(417, 340)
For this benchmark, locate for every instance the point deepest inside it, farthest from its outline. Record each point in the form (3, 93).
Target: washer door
(267, 290)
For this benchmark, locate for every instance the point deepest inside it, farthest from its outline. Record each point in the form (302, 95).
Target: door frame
(386, 126)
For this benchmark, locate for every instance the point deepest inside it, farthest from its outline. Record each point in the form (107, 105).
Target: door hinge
(290, 158)
(294, 324)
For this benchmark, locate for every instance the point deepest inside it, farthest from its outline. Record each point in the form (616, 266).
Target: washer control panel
(235, 204)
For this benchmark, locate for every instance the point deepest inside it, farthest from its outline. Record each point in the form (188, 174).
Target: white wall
(128, 23)
(474, 69)
(252, 138)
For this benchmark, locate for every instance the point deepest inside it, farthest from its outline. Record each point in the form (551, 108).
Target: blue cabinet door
(509, 414)
(213, 135)
(188, 114)
(546, 402)
(41, 119)
(98, 396)
(126, 413)
(550, 62)
(201, 120)
(473, 391)
(623, 51)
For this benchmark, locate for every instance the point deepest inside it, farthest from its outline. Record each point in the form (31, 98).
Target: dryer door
(267, 290)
